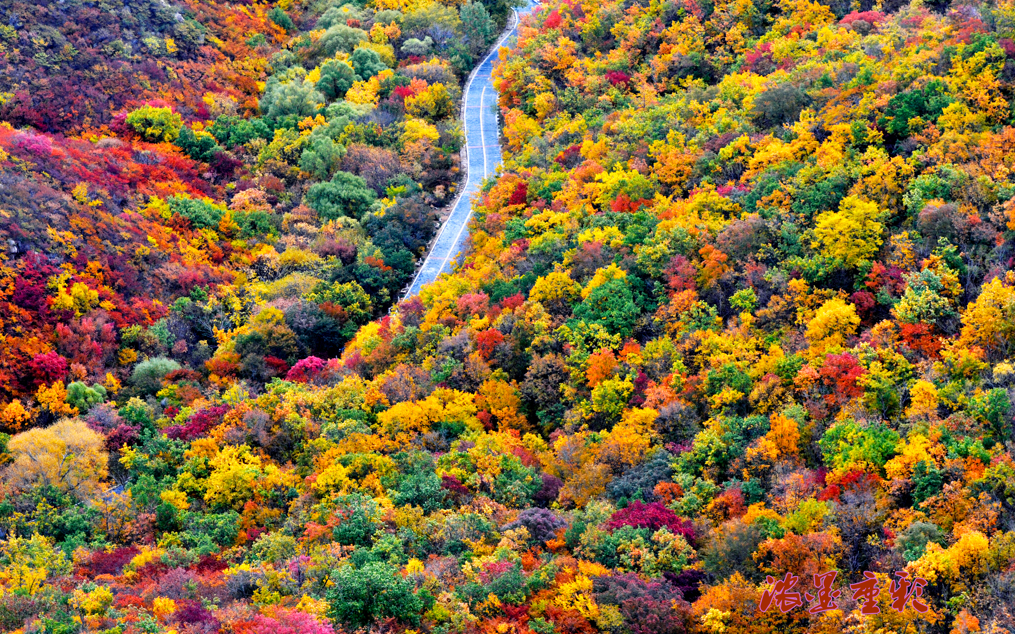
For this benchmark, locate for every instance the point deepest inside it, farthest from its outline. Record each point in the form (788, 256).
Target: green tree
(612, 306)
(321, 156)
(344, 195)
(295, 97)
(83, 397)
(913, 541)
(478, 26)
(847, 445)
(281, 18)
(147, 375)
(367, 62)
(155, 124)
(340, 38)
(200, 147)
(358, 597)
(200, 213)
(337, 77)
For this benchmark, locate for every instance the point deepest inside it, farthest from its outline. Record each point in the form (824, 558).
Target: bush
(201, 214)
(290, 98)
(356, 527)
(927, 103)
(367, 63)
(305, 369)
(345, 195)
(647, 607)
(155, 124)
(542, 524)
(281, 18)
(653, 517)
(376, 591)
(912, 542)
(337, 77)
(779, 104)
(147, 375)
(641, 480)
(83, 397)
(611, 306)
(340, 38)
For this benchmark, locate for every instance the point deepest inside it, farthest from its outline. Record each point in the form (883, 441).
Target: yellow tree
(851, 234)
(67, 455)
(832, 323)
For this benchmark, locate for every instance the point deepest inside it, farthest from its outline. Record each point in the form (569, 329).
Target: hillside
(738, 311)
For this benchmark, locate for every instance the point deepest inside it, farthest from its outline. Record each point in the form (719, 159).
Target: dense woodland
(740, 303)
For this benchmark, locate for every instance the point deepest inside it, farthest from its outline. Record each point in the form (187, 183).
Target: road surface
(482, 156)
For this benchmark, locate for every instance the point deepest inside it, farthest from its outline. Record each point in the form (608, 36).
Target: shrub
(155, 124)
(542, 524)
(337, 77)
(366, 62)
(200, 213)
(83, 397)
(147, 375)
(358, 597)
(652, 516)
(47, 368)
(289, 98)
(281, 18)
(344, 195)
(647, 607)
(780, 104)
(305, 370)
(641, 480)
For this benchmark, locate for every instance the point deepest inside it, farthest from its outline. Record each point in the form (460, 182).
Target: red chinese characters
(866, 591)
(780, 594)
(904, 591)
(826, 596)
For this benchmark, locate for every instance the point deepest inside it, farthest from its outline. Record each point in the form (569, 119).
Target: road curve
(481, 157)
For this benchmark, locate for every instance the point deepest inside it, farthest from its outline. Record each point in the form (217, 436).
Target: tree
(155, 124)
(612, 306)
(416, 47)
(832, 323)
(367, 62)
(199, 146)
(779, 104)
(358, 597)
(337, 77)
(234, 474)
(433, 103)
(321, 156)
(82, 397)
(281, 18)
(478, 27)
(851, 234)
(990, 320)
(344, 195)
(340, 38)
(148, 375)
(290, 98)
(67, 455)
(377, 166)
(201, 213)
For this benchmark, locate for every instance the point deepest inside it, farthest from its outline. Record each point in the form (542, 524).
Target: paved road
(482, 143)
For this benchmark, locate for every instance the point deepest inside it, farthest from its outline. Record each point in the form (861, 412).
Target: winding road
(482, 156)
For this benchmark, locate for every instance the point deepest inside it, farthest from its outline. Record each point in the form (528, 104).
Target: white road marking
(482, 132)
